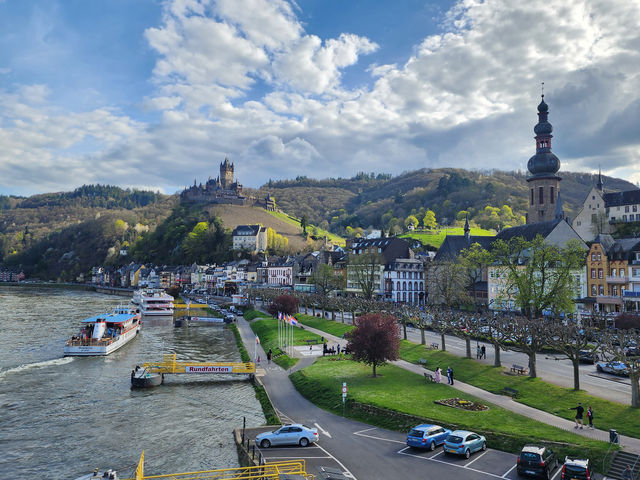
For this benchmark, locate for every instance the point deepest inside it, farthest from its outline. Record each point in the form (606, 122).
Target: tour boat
(103, 334)
(156, 302)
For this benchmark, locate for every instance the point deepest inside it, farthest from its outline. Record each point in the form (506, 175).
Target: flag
(293, 321)
(279, 315)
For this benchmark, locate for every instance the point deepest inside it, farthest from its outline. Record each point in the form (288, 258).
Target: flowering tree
(374, 340)
(284, 303)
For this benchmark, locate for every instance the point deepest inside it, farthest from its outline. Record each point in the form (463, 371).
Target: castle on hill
(223, 190)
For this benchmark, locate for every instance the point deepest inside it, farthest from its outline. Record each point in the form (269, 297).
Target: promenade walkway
(629, 444)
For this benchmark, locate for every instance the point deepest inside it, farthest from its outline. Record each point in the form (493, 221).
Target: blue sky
(152, 94)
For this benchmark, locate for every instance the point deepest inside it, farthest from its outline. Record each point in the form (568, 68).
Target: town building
(404, 281)
(591, 219)
(251, 238)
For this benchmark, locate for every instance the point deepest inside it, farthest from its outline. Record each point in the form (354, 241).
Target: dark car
(536, 461)
(576, 469)
(588, 356)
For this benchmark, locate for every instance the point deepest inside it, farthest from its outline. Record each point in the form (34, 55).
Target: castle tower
(544, 184)
(226, 174)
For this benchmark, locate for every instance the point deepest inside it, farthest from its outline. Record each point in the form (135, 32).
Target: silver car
(296, 434)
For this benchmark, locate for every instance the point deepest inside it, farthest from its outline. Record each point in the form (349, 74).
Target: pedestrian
(438, 374)
(338, 349)
(310, 349)
(269, 355)
(478, 351)
(483, 352)
(449, 376)
(579, 412)
(627, 474)
(590, 417)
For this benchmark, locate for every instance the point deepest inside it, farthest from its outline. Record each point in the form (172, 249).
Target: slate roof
(247, 230)
(529, 231)
(606, 241)
(454, 244)
(617, 199)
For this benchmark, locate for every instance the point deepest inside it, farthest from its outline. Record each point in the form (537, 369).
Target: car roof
(533, 448)
(424, 426)
(582, 462)
(461, 433)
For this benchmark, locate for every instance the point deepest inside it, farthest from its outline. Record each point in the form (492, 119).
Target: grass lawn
(329, 326)
(532, 391)
(267, 331)
(406, 392)
(435, 238)
(250, 314)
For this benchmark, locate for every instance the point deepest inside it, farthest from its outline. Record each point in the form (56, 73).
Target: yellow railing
(269, 471)
(170, 365)
(183, 306)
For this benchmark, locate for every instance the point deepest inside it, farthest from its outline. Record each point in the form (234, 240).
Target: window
(532, 196)
(636, 272)
(594, 290)
(599, 256)
(614, 290)
(593, 273)
(541, 195)
(626, 209)
(578, 223)
(600, 273)
(593, 257)
(600, 289)
(551, 196)
(622, 272)
(624, 218)
(593, 197)
(613, 272)
(634, 208)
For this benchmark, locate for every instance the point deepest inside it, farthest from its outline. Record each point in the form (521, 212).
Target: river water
(60, 417)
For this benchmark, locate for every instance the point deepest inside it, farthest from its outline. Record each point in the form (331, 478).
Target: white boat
(137, 296)
(103, 334)
(156, 302)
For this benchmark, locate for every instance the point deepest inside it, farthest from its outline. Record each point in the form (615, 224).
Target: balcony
(609, 300)
(617, 280)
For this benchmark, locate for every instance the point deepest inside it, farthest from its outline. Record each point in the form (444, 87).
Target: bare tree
(528, 336)
(365, 270)
(446, 284)
(616, 345)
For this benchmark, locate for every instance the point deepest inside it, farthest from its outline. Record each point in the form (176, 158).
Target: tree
(284, 303)
(411, 220)
(528, 336)
(304, 223)
(569, 338)
(474, 262)
(365, 270)
(446, 283)
(539, 276)
(429, 220)
(599, 223)
(614, 345)
(374, 340)
(324, 278)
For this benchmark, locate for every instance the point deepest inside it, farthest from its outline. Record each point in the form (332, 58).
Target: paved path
(628, 443)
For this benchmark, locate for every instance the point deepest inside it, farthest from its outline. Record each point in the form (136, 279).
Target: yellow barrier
(183, 306)
(269, 471)
(170, 365)
(140, 468)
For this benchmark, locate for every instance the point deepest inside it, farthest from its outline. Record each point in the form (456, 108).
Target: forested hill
(381, 200)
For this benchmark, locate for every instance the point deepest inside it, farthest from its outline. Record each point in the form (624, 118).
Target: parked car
(536, 461)
(632, 350)
(295, 434)
(576, 469)
(615, 367)
(462, 442)
(427, 436)
(588, 356)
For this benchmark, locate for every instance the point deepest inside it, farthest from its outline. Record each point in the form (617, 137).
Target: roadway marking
(402, 452)
(478, 457)
(298, 456)
(344, 469)
(324, 432)
(559, 469)
(509, 471)
(360, 434)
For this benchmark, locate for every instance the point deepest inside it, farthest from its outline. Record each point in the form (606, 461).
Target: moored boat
(105, 333)
(156, 302)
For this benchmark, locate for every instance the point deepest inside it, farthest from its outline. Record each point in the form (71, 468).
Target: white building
(252, 238)
(404, 281)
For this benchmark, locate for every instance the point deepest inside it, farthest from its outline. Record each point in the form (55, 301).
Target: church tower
(544, 183)
(226, 174)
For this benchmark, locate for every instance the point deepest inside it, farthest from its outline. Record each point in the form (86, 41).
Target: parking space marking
(344, 469)
(402, 452)
(298, 456)
(509, 471)
(477, 458)
(360, 434)
(558, 470)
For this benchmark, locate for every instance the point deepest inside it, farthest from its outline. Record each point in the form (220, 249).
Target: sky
(154, 94)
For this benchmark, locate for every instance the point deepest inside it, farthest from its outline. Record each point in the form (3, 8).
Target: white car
(296, 434)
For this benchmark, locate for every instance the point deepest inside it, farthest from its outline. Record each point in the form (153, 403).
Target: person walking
(269, 355)
(590, 417)
(579, 412)
(478, 351)
(449, 375)
(483, 352)
(627, 474)
(438, 375)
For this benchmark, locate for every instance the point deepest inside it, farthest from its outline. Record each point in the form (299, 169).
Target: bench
(520, 370)
(510, 391)
(311, 341)
(434, 346)
(428, 377)
(423, 362)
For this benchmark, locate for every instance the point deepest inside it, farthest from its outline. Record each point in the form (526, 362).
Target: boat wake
(28, 366)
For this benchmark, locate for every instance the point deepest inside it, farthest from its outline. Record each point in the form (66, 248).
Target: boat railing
(89, 342)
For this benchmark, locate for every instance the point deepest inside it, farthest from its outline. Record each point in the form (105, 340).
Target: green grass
(436, 237)
(406, 392)
(333, 238)
(329, 326)
(251, 314)
(267, 330)
(531, 391)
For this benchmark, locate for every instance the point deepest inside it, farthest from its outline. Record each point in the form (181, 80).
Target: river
(60, 417)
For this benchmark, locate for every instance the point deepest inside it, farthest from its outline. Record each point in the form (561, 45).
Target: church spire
(600, 184)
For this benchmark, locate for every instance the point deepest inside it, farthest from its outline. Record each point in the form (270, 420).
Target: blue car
(462, 442)
(427, 436)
